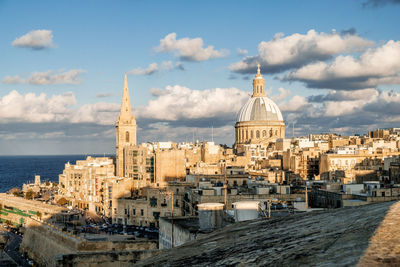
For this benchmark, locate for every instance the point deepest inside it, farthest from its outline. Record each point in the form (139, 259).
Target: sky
(331, 66)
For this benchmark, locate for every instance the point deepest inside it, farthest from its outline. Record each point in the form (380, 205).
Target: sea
(17, 170)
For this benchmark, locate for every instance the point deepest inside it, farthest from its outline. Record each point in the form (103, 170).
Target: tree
(62, 201)
(30, 194)
(16, 192)
(39, 214)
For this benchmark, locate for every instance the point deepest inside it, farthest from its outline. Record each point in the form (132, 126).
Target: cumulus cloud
(181, 104)
(99, 113)
(373, 67)
(189, 49)
(32, 108)
(47, 77)
(340, 112)
(154, 67)
(151, 69)
(287, 52)
(37, 40)
(283, 93)
(294, 104)
(15, 107)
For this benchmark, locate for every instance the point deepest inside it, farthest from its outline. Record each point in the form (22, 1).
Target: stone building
(259, 120)
(145, 208)
(125, 131)
(84, 184)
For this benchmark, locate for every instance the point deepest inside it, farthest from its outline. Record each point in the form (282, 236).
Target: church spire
(125, 115)
(258, 84)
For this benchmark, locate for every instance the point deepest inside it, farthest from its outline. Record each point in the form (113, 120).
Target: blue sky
(95, 42)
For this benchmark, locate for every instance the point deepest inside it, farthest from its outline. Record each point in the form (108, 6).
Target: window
(141, 212)
(247, 135)
(126, 136)
(257, 134)
(134, 212)
(251, 134)
(270, 133)
(153, 202)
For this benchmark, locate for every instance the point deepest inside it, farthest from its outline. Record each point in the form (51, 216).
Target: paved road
(12, 249)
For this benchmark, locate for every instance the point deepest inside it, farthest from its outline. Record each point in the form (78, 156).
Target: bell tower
(125, 130)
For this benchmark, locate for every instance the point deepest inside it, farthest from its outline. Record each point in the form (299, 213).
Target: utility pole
(226, 186)
(172, 218)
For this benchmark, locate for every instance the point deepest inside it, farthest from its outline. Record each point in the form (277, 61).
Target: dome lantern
(258, 84)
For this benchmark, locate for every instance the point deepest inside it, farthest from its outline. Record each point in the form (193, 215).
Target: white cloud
(283, 93)
(37, 40)
(294, 104)
(179, 103)
(242, 52)
(47, 77)
(151, 69)
(154, 67)
(373, 67)
(98, 113)
(293, 51)
(30, 107)
(189, 49)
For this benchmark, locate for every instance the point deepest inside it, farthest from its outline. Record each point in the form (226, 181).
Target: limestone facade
(259, 120)
(125, 130)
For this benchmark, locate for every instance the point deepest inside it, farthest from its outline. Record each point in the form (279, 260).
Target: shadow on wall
(58, 244)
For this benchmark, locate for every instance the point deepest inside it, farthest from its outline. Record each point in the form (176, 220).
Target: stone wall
(43, 245)
(47, 246)
(104, 259)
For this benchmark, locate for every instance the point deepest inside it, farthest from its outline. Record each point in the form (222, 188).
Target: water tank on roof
(210, 215)
(246, 210)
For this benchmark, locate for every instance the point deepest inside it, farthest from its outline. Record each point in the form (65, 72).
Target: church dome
(259, 109)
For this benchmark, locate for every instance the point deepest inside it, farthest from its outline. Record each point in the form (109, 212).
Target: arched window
(257, 134)
(251, 134)
(264, 133)
(270, 133)
(126, 136)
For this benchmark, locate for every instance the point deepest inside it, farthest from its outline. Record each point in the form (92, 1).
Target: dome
(259, 109)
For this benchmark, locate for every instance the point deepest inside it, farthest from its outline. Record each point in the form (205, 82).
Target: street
(12, 247)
